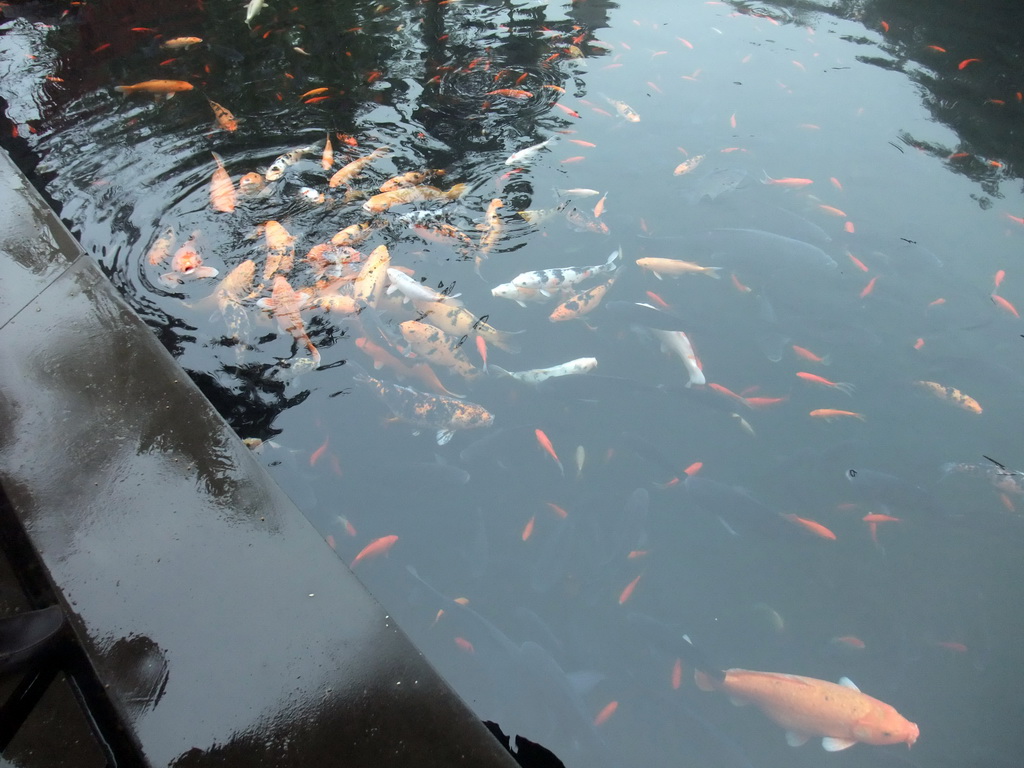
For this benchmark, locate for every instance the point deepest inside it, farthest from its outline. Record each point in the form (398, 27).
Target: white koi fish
(519, 295)
(677, 343)
(537, 375)
(549, 281)
(252, 9)
(526, 154)
(413, 290)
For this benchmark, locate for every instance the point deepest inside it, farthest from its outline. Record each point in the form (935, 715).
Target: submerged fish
(440, 412)
(807, 708)
(526, 154)
(537, 375)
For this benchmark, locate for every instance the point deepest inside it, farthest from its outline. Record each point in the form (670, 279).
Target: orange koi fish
(816, 528)
(409, 179)
(348, 172)
(280, 249)
(385, 200)
(374, 548)
(806, 354)
(842, 386)
(222, 189)
(786, 182)
(807, 708)
(187, 263)
(176, 43)
(223, 116)
(630, 588)
(951, 395)
(369, 285)
(511, 93)
(157, 87)
(285, 303)
(1006, 305)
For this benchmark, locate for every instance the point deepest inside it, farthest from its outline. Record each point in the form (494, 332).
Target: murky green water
(858, 198)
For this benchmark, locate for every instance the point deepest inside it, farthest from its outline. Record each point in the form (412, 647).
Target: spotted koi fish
(547, 282)
(581, 303)
(435, 346)
(537, 375)
(440, 412)
(459, 321)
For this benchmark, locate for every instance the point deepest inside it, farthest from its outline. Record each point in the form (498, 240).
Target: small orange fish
(606, 712)
(545, 443)
(816, 528)
(628, 591)
(806, 354)
(511, 93)
(842, 386)
(374, 548)
(158, 87)
(688, 165)
(828, 414)
(1006, 305)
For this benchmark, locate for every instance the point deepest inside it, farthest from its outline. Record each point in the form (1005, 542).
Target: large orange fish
(222, 189)
(158, 87)
(807, 708)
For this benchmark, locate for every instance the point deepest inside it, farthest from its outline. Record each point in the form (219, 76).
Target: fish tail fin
(614, 256)
(501, 340)
(497, 370)
(765, 178)
(457, 191)
(712, 272)
(706, 675)
(123, 88)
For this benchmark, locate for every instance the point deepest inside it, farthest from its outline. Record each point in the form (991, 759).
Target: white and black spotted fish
(550, 281)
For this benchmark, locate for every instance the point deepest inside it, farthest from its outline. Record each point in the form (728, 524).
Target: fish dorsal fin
(848, 683)
(833, 744)
(795, 739)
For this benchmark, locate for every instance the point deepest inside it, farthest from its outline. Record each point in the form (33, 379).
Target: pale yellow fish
(675, 267)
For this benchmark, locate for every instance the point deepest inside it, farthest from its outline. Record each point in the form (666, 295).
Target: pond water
(839, 497)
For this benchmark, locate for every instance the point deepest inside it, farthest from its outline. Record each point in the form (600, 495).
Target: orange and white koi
(688, 165)
(187, 263)
(624, 110)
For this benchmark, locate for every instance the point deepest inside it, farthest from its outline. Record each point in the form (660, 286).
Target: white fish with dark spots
(537, 375)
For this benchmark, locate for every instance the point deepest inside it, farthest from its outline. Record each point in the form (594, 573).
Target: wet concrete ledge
(226, 630)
